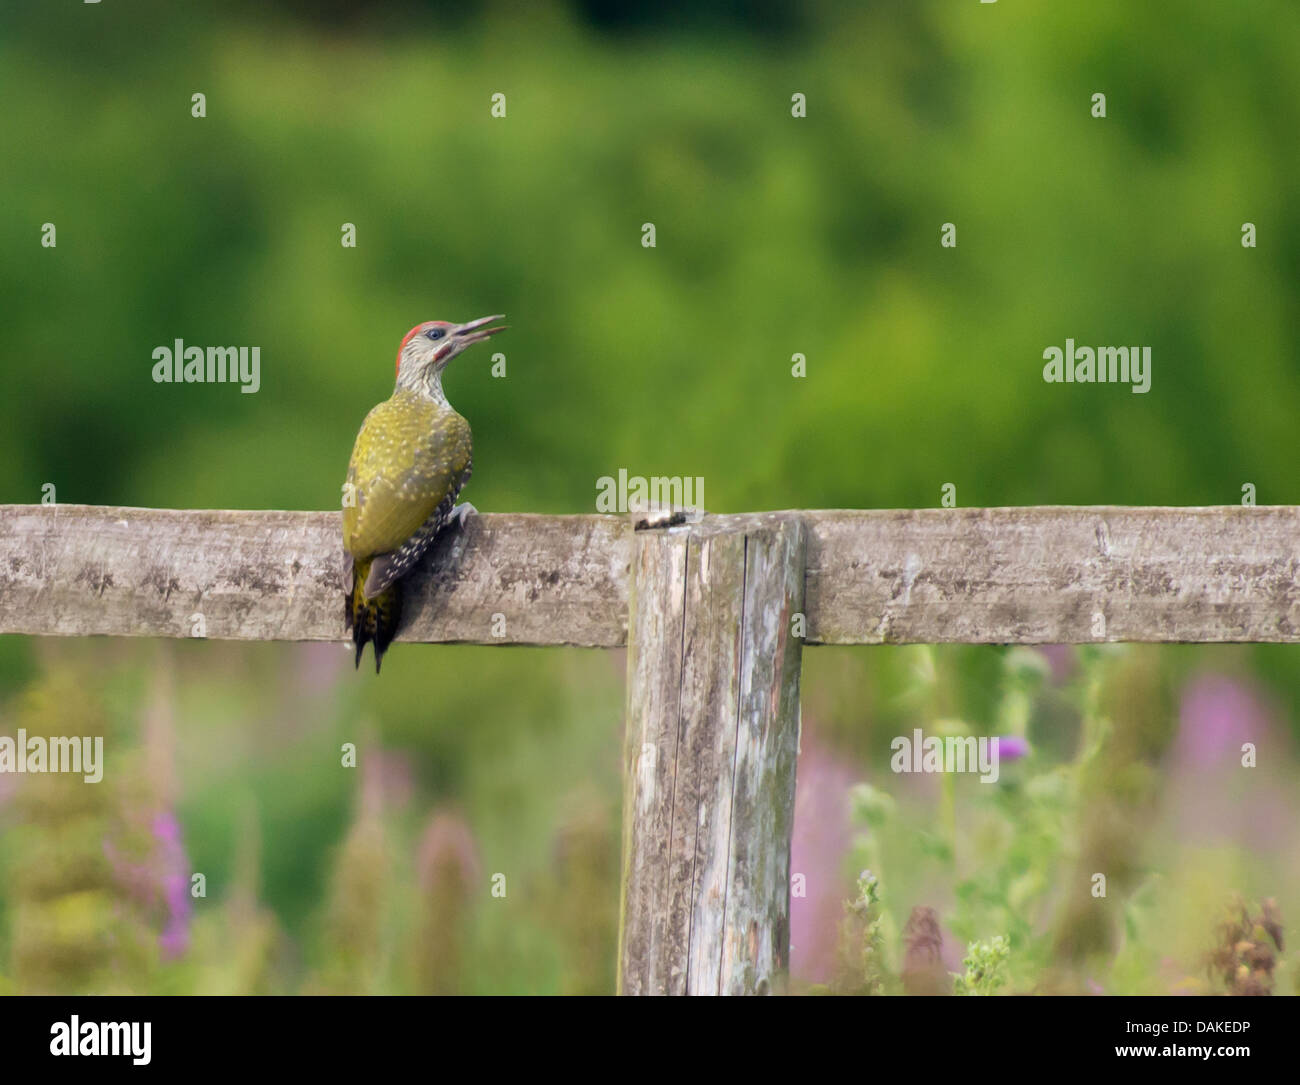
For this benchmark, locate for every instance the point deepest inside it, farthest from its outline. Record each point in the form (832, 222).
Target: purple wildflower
(1012, 747)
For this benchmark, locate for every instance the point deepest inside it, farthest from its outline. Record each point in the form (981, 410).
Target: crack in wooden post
(712, 738)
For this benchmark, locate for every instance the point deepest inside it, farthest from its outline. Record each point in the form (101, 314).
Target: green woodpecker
(410, 461)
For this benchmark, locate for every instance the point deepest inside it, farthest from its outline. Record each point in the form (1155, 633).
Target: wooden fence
(714, 615)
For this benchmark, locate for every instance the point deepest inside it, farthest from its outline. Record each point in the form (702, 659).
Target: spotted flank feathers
(388, 569)
(374, 603)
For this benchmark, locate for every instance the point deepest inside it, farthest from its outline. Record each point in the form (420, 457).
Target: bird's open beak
(474, 332)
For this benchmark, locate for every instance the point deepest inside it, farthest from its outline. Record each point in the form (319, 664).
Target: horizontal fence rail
(77, 570)
(1009, 575)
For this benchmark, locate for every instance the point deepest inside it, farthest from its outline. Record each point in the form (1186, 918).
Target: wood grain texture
(79, 570)
(1013, 575)
(712, 738)
(656, 628)
(1054, 575)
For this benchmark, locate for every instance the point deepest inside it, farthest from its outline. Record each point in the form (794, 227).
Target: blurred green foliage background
(775, 235)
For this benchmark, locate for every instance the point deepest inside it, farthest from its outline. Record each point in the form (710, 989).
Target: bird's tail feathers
(372, 619)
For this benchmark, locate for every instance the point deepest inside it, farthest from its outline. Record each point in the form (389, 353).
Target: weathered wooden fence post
(709, 763)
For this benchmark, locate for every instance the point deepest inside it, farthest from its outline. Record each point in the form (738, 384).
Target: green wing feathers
(410, 454)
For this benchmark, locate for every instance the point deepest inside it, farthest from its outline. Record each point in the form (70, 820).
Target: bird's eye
(435, 333)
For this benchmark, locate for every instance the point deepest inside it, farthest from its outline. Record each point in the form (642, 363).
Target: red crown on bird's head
(420, 329)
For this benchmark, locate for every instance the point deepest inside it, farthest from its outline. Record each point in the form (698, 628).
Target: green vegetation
(775, 236)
